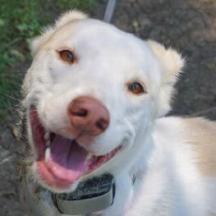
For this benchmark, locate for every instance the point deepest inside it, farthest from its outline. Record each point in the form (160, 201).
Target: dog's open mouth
(60, 161)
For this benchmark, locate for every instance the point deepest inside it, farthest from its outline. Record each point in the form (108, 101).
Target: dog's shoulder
(190, 148)
(199, 133)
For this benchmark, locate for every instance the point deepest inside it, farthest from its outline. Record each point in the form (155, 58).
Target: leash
(109, 10)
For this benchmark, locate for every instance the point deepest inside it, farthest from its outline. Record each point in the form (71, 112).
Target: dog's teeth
(89, 156)
(46, 135)
(47, 138)
(47, 154)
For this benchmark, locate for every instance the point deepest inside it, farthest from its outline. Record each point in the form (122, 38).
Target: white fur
(168, 181)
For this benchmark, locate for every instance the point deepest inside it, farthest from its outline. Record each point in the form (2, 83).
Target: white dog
(95, 98)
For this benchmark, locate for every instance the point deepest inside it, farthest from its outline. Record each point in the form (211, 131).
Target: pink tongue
(67, 159)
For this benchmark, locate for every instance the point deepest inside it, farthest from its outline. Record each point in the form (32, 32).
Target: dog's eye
(136, 88)
(67, 56)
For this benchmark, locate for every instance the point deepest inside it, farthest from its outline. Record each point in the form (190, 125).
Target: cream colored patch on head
(172, 64)
(65, 19)
(201, 133)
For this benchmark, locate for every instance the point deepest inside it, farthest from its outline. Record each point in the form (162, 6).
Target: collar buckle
(92, 195)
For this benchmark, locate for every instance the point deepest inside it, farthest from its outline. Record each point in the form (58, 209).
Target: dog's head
(90, 92)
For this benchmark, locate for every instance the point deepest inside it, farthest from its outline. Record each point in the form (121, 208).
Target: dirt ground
(187, 25)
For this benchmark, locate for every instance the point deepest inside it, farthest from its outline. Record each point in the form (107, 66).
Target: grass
(19, 22)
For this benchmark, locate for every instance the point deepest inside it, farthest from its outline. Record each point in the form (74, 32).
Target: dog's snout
(88, 115)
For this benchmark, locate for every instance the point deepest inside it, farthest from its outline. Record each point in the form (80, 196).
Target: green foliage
(19, 22)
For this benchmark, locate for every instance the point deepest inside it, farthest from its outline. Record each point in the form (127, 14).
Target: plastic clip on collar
(91, 196)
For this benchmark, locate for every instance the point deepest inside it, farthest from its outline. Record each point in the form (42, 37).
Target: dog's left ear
(172, 63)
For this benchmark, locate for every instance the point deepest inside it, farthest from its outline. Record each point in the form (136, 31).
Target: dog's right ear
(66, 18)
(172, 63)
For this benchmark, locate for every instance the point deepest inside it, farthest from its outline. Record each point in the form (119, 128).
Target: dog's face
(90, 92)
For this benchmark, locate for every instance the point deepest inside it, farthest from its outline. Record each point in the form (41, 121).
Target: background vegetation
(20, 21)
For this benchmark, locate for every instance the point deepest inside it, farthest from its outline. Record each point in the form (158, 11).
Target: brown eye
(67, 56)
(136, 88)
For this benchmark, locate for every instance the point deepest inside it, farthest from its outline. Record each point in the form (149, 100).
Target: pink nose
(88, 115)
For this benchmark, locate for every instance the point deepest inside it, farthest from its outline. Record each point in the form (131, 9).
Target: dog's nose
(88, 115)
